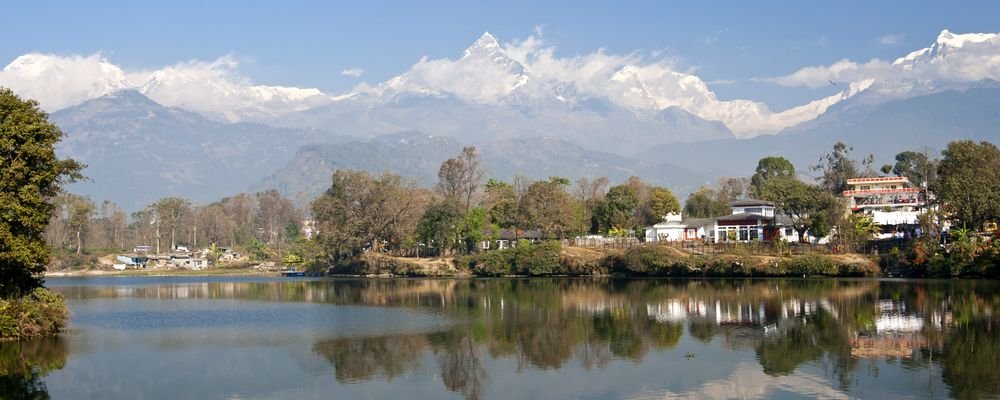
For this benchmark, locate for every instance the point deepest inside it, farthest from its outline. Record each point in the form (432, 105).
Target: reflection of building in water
(897, 331)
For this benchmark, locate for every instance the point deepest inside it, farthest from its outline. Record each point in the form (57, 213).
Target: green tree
(918, 167)
(770, 167)
(661, 203)
(704, 203)
(439, 226)
(838, 166)
(808, 206)
(617, 208)
(473, 225)
(969, 182)
(30, 176)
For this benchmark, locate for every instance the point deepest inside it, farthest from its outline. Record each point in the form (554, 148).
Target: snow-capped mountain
(211, 89)
(495, 89)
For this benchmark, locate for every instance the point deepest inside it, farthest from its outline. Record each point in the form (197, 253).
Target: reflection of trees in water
(461, 369)
(971, 360)
(812, 338)
(360, 359)
(23, 365)
(546, 323)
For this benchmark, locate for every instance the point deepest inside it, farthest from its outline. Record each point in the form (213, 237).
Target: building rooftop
(751, 203)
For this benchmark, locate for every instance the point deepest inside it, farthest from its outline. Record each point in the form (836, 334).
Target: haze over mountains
(194, 130)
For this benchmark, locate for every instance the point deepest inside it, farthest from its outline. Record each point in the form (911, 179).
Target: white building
(750, 220)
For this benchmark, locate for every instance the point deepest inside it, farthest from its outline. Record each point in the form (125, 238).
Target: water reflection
(826, 338)
(24, 364)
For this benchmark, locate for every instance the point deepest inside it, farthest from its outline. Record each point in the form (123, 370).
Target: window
(744, 233)
(755, 210)
(754, 234)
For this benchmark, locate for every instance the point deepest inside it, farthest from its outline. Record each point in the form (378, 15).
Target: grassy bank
(546, 259)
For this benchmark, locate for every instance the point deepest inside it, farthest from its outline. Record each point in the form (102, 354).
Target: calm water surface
(260, 338)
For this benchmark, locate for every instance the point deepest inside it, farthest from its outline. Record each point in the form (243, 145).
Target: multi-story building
(891, 201)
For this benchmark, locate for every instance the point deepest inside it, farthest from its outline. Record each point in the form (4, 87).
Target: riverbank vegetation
(30, 177)
(469, 225)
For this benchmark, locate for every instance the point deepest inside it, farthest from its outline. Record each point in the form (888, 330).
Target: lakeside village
(879, 213)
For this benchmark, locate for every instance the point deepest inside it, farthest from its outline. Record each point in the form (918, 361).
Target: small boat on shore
(291, 273)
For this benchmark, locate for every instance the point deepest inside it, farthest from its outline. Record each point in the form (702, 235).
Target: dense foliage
(30, 177)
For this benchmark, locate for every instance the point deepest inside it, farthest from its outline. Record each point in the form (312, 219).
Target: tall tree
(30, 176)
(81, 210)
(969, 182)
(547, 206)
(111, 221)
(918, 167)
(459, 178)
(838, 166)
(770, 167)
(170, 213)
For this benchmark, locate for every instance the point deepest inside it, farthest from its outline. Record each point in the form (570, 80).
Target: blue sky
(308, 44)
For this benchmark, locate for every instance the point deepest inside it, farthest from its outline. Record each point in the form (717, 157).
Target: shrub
(41, 313)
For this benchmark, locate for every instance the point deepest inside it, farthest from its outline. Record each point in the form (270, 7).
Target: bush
(525, 259)
(41, 313)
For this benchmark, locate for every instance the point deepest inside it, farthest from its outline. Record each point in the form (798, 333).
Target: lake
(302, 338)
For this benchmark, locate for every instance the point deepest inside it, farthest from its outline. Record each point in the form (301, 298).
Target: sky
(334, 46)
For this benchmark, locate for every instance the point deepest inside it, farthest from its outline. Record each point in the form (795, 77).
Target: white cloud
(891, 39)
(211, 87)
(529, 71)
(58, 82)
(952, 58)
(353, 72)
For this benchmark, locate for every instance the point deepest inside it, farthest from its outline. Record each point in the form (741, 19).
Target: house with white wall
(751, 220)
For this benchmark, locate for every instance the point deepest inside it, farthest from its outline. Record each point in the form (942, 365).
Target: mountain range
(191, 131)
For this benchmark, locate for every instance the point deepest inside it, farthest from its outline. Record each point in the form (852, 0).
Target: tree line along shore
(468, 225)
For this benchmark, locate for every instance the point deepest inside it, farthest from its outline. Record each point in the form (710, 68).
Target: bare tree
(460, 178)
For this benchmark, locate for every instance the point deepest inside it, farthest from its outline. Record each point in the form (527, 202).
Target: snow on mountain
(210, 88)
(224, 96)
(521, 76)
(58, 82)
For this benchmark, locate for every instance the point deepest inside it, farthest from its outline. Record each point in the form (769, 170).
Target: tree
(770, 167)
(459, 178)
(362, 211)
(837, 167)
(617, 209)
(969, 182)
(918, 167)
(81, 209)
(169, 214)
(30, 176)
(732, 189)
(548, 207)
(704, 203)
(661, 202)
(439, 226)
(809, 207)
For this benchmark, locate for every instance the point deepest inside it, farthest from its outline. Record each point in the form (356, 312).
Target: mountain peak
(949, 39)
(486, 44)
